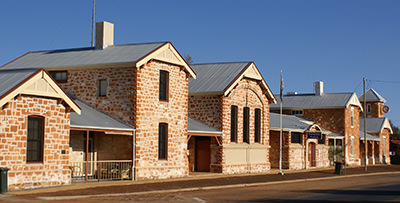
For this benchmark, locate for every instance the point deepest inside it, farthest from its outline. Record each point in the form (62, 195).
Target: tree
(396, 131)
(188, 59)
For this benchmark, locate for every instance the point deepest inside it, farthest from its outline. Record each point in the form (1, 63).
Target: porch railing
(101, 170)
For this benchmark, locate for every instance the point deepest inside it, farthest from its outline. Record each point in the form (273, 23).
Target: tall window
(35, 139)
(352, 145)
(234, 122)
(162, 141)
(257, 125)
(246, 123)
(102, 88)
(59, 76)
(352, 117)
(368, 108)
(163, 88)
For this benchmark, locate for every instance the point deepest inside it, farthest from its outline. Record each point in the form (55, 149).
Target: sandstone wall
(54, 170)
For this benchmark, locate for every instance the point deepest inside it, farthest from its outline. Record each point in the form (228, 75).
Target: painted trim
(167, 45)
(39, 74)
(242, 75)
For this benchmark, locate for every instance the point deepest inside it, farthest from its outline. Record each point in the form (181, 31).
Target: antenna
(93, 21)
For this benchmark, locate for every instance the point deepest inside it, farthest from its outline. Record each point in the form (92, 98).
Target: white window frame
(352, 117)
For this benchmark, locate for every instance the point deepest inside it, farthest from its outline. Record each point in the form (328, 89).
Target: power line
(385, 81)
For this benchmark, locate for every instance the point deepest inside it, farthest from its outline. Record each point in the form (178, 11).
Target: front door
(311, 154)
(202, 154)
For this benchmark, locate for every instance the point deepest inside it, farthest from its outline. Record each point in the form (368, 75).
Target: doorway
(202, 154)
(311, 154)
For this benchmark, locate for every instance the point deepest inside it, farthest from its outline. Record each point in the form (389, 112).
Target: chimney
(104, 34)
(319, 88)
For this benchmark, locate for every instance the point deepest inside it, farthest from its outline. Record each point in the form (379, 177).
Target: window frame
(352, 117)
(164, 155)
(54, 73)
(161, 88)
(234, 123)
(99, 87)
(246, 125)
(297, 112)
(41, 139)
(257, 125)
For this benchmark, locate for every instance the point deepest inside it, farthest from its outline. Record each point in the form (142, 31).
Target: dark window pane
(246, 112)
(234, 120)
(34, 145)
(297, 137)
(59, 76)
(163, 88)
(162, 140)
(257, 125)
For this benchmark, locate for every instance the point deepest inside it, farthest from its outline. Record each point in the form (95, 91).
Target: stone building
(143, 86)
(233, 99)
(336, 112)
(304, 143)
(378, 125)
(34, 129)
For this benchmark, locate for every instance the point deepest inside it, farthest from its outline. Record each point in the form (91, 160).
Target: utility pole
(93, 22)
(365, 127)
(280, 132)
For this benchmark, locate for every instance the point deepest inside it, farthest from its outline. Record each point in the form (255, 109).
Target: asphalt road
(377, 188)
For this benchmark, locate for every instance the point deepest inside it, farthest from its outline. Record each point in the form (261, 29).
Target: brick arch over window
(254, 89)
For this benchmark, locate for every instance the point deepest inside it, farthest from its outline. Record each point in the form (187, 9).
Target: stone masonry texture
(54, 170)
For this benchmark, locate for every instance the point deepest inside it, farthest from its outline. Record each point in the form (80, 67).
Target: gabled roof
(375, 125)
(312, 101)
(92, 118)
(292, 123)
(196, 126)
(221, 78)
(112, 56)
(372, 95)
(35, 82)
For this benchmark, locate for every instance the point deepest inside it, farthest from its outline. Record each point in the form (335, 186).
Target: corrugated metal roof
(195, 125)
(327, 100)
(115, 54)
(214, 77)
(289, 122)
(374, 125)
(335, 136)
(93, 118)
(369, 136)
(9, 79)
(372, 95)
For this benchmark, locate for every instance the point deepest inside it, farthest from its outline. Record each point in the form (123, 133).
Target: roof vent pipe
(104, 34)
(319, 88)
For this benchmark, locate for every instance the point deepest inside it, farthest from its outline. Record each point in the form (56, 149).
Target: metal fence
(101, 170)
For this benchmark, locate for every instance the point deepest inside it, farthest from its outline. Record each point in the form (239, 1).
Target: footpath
(202, 181)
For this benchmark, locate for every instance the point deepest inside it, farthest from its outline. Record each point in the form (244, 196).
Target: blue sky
(338, 42)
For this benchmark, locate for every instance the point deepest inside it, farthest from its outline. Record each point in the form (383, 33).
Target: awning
(97, 120)
(369, 137)
(335, 136)
(198, 128)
